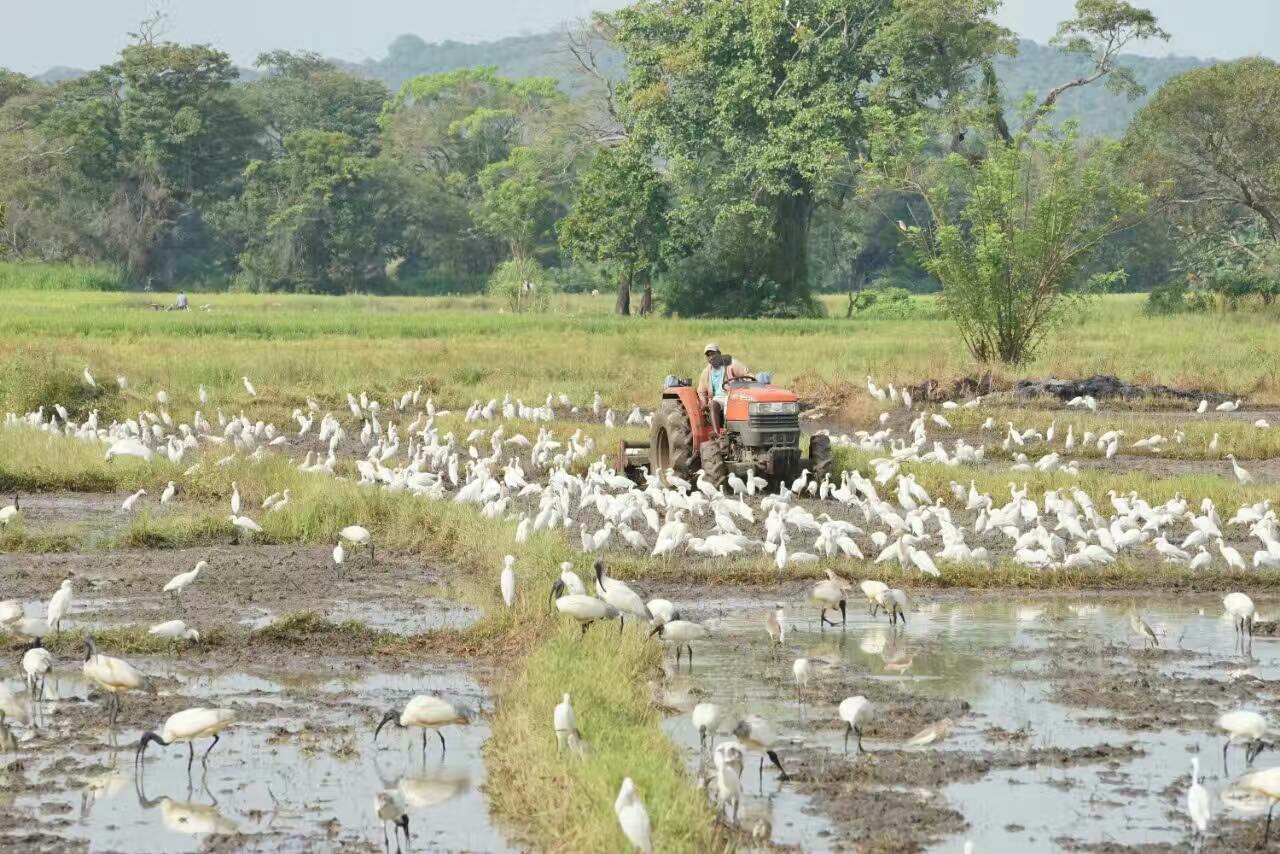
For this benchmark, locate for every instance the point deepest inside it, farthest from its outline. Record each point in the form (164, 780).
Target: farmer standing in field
(716, 376)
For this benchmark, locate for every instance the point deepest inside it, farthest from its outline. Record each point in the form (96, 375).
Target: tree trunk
(787, 263)
(623, 305)
(646, 301)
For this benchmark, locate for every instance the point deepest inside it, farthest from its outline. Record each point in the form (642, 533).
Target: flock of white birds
(542, 481)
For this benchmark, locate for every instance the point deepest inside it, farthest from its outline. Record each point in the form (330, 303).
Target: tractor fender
(688, 397)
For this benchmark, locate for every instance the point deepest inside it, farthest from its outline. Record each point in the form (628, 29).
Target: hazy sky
(38, 34)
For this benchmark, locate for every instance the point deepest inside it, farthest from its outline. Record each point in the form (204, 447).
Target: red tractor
(761, 435)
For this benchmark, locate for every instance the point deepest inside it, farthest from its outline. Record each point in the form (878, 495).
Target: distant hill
(1037, 68)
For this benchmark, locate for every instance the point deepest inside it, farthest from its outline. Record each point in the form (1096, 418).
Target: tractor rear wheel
(671, 440)
(714, 468)
(819, 456)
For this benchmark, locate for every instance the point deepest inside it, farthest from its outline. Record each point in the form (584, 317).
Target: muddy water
(298, 771)
(1066, 732)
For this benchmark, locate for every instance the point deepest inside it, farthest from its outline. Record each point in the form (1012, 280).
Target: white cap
(712, 347)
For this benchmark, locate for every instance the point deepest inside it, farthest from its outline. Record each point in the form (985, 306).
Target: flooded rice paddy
(1067, 734)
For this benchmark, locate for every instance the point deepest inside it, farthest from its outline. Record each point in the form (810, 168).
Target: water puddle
(1066, 731)
(299, 768)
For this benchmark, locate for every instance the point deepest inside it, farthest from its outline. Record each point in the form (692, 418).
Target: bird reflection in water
(187, 816)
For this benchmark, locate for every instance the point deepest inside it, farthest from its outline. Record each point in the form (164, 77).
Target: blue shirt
(717, 381)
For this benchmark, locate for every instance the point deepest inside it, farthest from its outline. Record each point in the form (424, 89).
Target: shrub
(522, 285)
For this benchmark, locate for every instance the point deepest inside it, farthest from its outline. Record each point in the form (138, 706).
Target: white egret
(10, 511)
(427, 711)
(113, 675)
(632, 817)
(189, 725)
(59, 605)
(127, 505)
(855, 712)
(244, 524)
(169, 491)
(1198, 804)
(567, 582)
(728, 758)
(1241, 475)
(507, 580)
(248, 386)
(183, 580)
(88, 378)
(563, 721)
(802, 670)
(235, 499)
(174, 630)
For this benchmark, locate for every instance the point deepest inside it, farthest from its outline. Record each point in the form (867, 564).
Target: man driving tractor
(714, 382)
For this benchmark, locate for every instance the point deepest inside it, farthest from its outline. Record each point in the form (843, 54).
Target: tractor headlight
(773, 408)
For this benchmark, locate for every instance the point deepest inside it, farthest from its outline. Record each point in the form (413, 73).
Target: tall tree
(302, 91)
(1210, 140)
(619, 219)
(758, 106)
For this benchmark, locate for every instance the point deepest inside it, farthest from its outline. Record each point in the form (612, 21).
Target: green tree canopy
(619, 219)
(304, 91)
(759, 107)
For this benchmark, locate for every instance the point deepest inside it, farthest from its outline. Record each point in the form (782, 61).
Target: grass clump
(130, 640)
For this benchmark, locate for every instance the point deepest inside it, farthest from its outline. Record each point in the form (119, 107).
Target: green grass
(59, 277)
(461, 349)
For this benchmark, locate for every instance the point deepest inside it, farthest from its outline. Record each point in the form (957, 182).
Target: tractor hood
(761, 394)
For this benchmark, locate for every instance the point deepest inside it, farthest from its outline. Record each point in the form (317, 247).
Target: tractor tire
(819, 456)
(671, 441)
(714, 468)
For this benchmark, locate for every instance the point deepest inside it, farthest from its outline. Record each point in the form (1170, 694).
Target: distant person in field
(182, 302)
(716, 376)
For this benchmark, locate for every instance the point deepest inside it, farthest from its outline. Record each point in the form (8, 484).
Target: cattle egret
(88, 378)
(128, 448)
(632, 817)
(802, 670)
(705, 716)
(756, 732)
(59, 605)
(248, 386)
(1142, 629)
(932, 733)
(1241, 475)
(728, 760)
(427, 711)
(113, 675)
(10, 511)
(507, 580)
(174, 630)
(776, 624)
(189, 725)
(169, 491)
(567, 582)
(127, 505)
(563, 720)
(30, 629)
(36, 664)
(235, 498)
(855, 712)
(183, 580)
(245, 524)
